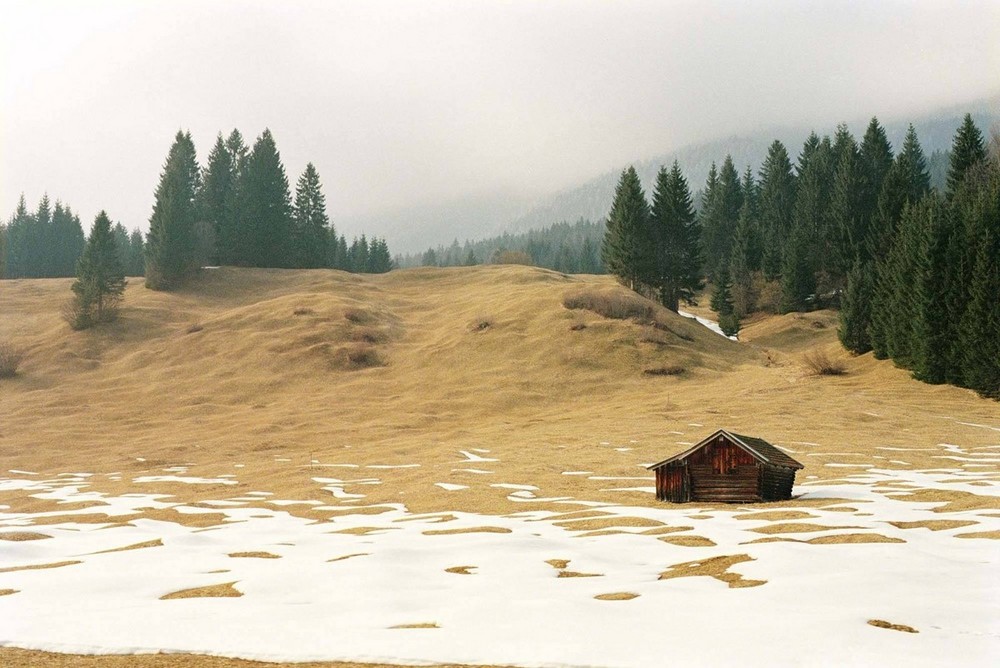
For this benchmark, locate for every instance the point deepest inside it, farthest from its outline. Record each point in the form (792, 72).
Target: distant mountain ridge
(592, 200)
(414, 229)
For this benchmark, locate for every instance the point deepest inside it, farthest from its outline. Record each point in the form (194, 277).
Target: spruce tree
(931, 343)
(855, 309)
(798, 279)
(134, 257)
(777, 202)
(100, 282)
(677, 262)
(215, 197)
(170, 246)
(967, 149)
(720, 215)
(627, 251)
(875, 159)
(311, 221)
(265, 207)
(379, 259)
(68, 240)
(722, 298)
(846, 223)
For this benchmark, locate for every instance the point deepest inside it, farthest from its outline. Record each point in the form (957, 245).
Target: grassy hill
(285, 371)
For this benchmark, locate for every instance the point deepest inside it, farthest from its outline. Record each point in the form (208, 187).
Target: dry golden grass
(715, 567)
(136, 546)
(617, 596)
(882, 624)
(558, 563)
(933, 525)
(258, 383)
(224, 590)
(688, 541)
(577, 574)
(460, 570)
(417, 625)
(798, 527)
(254, 555)
(450, 532)
(18, 536)
(57, 564)
(8, 592)
(820, 363)
(597, 523)
(349, 556)
(776, 515)
(992, 535)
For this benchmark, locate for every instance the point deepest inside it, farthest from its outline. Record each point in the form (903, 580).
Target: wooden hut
(728, 468)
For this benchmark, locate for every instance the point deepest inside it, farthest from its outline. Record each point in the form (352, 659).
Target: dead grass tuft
(882, 624)
(578, 326)
(358, 356)
(224, 590)
(615, 304)
(254, 555)
(460, 570)
(673, 370)
(303, 311)
(197, 327)
(358, 316)
(820, 364)
(22, 535)
(8, 592)
(481, 323)
(617, 596)
(371, 335)
(10, 359)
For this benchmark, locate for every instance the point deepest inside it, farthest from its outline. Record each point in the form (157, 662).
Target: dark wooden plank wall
(776, 482)
(741, 484)
(673, 483)
(722, 455)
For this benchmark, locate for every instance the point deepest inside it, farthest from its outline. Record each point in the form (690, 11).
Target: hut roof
(757, 447)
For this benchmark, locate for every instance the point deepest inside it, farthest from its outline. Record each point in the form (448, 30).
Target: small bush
(197, 327)
(76, 315)
(617, 304)
(820, 364)
(675, 370)
(361, 356)
(369, 335)
(304, 311)
(577, 326)
(481, 324)
(10, 359)
(358, 316)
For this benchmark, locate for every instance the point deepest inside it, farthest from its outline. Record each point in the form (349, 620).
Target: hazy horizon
(414, 104)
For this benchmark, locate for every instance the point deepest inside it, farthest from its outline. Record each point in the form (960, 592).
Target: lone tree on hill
(170, 246)
(311, 221)
(100, 281)
(677, 232)
(628, 241)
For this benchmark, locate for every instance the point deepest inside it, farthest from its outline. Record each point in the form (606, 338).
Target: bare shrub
(358, 316)
(481, 324)
(820, 364)
(616, 304)
(197, 327)
(768, 294)
(369, 335)
(674, 370)
(10, 359)
(76, 315)
(361, 356)
(304, 311)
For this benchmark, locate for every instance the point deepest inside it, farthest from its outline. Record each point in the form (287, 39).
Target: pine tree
(846, 223)
(218, 182)
(379, 258)
(311, 221)
(798, 280)
(265, 208)
(855, 309)
(134, 257)
(100, 282)
(722, 298)
(231, 240)
(930, 344)
(967, 149)
(874, 159)
(677, 262)
(628, 242)
(170, 247)
(777, 202)
(720, 215)
(68, 240)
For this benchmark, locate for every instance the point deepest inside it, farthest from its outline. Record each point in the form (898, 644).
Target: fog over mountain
(440, 119)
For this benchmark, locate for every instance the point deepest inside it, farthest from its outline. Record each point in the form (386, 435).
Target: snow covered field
(598, 585)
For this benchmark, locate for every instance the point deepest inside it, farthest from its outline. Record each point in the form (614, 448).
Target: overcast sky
(406, 103)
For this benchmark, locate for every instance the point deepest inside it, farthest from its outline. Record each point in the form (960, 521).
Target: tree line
(239, 211)
(572, 248)
(849, 224)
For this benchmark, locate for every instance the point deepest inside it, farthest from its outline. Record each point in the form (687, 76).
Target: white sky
(406, 103)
